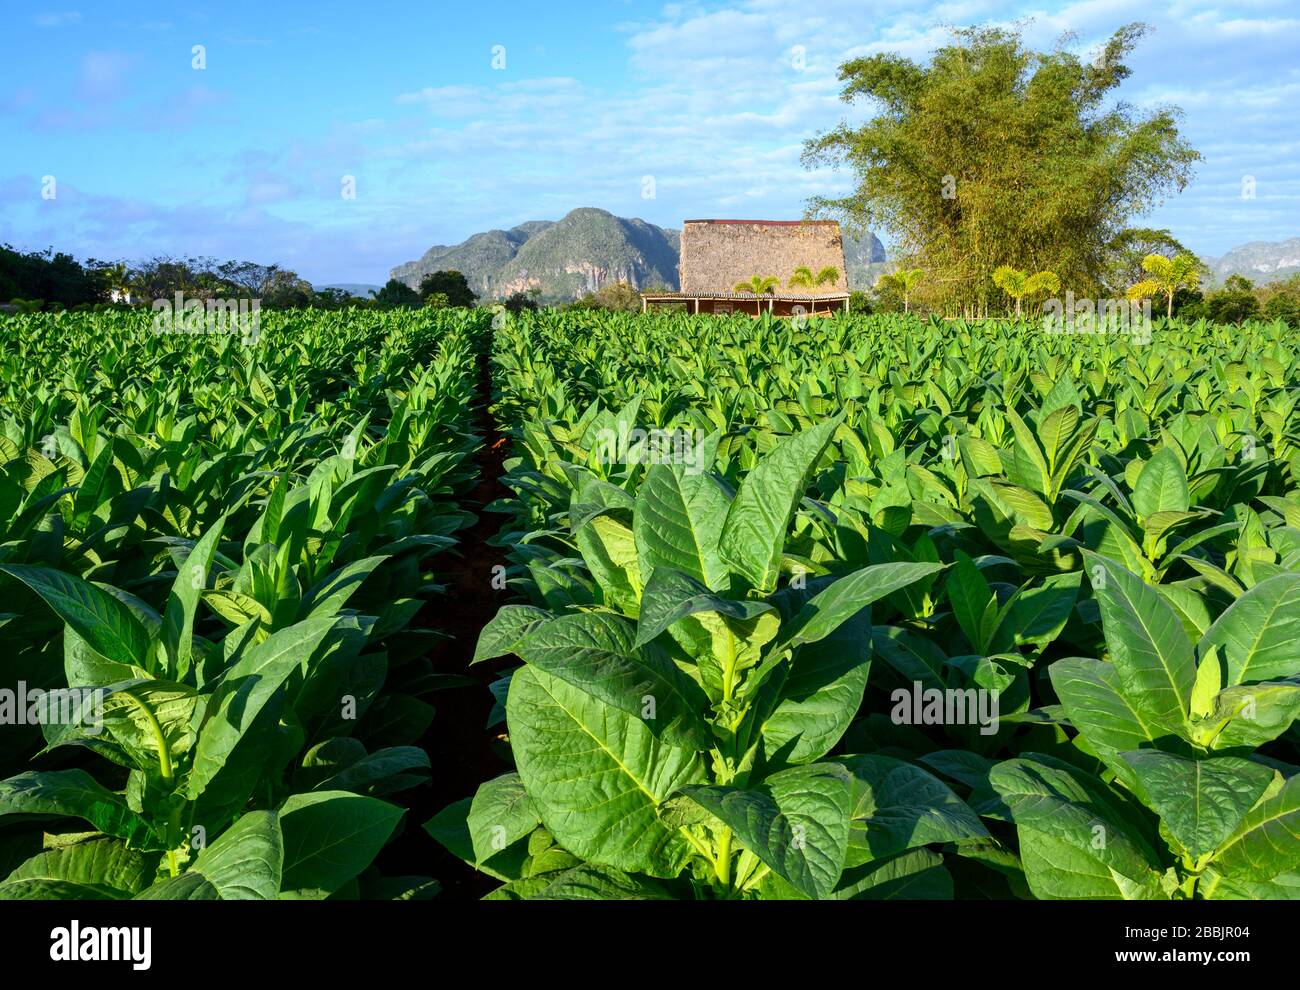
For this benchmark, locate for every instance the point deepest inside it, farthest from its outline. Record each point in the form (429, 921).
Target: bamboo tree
(953, 149)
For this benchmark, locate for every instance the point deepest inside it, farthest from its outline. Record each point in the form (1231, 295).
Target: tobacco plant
(1188, 805)
(675, 725)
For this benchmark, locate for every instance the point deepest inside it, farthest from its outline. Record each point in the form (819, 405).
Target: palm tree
(803, 278)
(759, 285)
(1168, 275)
(904, 281)
(830, 275)
(119, 283)
(1018, 284)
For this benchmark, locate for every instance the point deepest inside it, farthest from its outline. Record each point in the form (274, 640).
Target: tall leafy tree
(1127, 250)
(396, 293)
(993, 150)
(451, 284)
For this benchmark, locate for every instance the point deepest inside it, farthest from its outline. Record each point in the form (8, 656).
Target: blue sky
(460, 117)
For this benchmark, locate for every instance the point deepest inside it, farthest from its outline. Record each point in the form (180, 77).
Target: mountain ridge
(1259, 261)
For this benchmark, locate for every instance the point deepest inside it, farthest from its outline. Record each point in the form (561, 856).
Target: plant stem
(168, 774)
(729, 670)
(723, 865)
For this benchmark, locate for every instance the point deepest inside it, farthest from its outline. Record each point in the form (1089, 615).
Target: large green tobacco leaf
(897, 806)
(610, 554)
(96, 616)
(1035, 615)
(246, 860)
(1214, 886)
(385, 771)
(678, 523)
(795, 821)
(847, 596)
(597, 775)
(1026, 464)
(914, 656)
(1267, 842)
(98, 867)
(245, 689)
(918, 875)
(1076, 840)
(183, 602)
(1259, 634)
(138, 715)
(505, 629)
(73, 794)
(596, 653)
(191, 886)
(1162, 485)
(501, 814)
(1199, 801)
(1060, 869)
(333, 593)
(330, 837)
(450, 827)
(1253, 714)
(969, 596)
(1147, 644)
(754, 533)
(821, 695)
(1095, 703)
(671, 595)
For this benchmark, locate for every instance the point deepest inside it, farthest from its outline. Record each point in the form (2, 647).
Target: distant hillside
(361, 289)
(587, 249)
(565, 259)
(864, 258)
(1259, 261)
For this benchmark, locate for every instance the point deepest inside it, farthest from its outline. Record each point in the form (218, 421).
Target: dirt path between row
(459, 744)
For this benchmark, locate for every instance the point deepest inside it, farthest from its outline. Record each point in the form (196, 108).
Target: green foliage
(759, 285)
(878, 505)
(50, 277)
(451, 285)
(1234, 302)
(1166, 276)
(900, 283)
(954, 169)
(245, 534)
(395, 294)
(618, 297)
(1018, 284)
(848, 607)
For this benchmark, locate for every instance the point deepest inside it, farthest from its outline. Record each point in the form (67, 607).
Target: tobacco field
(557, 605)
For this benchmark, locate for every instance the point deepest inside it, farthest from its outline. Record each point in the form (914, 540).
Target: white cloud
(57, 19)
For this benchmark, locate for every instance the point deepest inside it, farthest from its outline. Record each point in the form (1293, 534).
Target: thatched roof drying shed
(716, 254)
